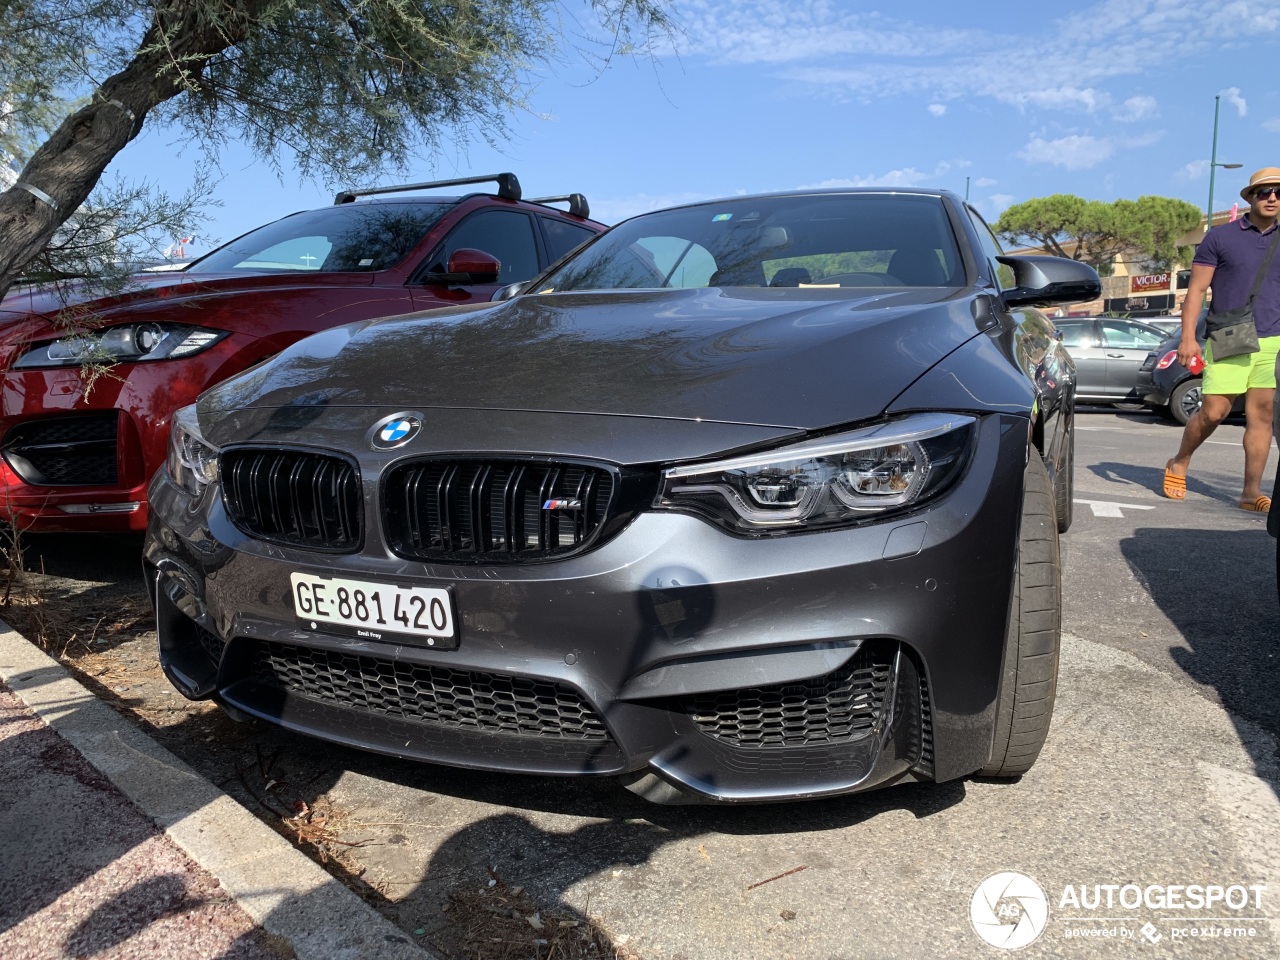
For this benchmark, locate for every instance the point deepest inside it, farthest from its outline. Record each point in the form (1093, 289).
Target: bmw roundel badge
(395, 431)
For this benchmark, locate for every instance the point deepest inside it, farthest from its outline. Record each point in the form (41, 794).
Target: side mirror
(510, 291)
(1046, 280)
(467, 265)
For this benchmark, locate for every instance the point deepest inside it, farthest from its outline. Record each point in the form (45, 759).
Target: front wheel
(1185, 400)
(1029, 683)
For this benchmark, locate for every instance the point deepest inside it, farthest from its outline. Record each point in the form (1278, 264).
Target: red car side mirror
(481, 267)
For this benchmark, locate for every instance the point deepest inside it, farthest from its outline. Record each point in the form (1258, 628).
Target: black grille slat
(841, 706)
(549, 524)
(492, 511)
(64, 451)
(441, 696)
(293, 497)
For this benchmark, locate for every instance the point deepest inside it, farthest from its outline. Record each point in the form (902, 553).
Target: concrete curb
(279, 887)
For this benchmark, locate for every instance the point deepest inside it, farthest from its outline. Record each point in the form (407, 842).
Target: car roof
(814, 192)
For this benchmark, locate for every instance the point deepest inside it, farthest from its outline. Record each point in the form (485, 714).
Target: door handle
(1115, 356)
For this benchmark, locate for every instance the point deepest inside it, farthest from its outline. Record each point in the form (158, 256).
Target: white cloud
(1137, 108)
(903, 177)
(1000, 202)
(1058, 98)
(1064, 65)
(1195, 170)
(985, 182)
(1271, 126)
(937, 109)
(1232, 96)
(1075, 152)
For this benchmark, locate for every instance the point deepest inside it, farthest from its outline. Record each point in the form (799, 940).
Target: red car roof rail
(508, 187)
(578, 205)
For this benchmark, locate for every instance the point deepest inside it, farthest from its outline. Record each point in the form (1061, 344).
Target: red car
(77, 456)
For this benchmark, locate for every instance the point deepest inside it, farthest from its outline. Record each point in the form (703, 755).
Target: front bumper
(77, 457)
(734, 669)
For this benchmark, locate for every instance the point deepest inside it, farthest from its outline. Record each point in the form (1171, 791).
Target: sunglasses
(1263, 192)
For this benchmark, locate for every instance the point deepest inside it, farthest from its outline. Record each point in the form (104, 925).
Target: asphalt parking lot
(1160, 773)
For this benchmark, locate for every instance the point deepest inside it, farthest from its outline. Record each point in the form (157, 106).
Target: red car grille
(64, 451)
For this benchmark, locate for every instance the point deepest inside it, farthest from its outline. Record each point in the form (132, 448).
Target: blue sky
(1111, 99)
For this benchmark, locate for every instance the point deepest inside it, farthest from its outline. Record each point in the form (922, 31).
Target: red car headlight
(125, 343)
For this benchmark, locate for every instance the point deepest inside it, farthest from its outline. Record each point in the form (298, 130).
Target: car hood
(780, 361)
(46, 300)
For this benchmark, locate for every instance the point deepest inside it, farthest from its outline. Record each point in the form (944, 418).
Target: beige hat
(1265, 175)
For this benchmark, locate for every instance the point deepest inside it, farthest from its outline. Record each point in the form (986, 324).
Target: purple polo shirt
(1235, 251)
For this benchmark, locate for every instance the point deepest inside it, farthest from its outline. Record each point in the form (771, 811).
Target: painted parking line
(1110, 508)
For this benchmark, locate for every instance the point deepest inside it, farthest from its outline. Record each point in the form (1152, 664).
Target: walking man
(1230, 259)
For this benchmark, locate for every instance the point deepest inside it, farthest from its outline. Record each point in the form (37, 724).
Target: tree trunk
(68, 165)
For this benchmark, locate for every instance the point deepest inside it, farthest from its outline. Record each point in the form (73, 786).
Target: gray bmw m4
(746, 500)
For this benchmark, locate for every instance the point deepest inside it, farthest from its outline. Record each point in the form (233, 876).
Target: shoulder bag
(1233, 332)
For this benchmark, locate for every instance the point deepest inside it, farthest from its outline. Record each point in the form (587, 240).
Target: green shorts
(1234, 375)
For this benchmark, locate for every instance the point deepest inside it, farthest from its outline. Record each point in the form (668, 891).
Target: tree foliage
(342, 89)
(1147, 229)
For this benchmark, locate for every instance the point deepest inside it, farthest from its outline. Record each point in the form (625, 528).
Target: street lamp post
(1214, 164)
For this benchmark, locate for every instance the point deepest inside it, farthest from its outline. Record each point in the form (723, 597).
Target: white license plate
(375, 611)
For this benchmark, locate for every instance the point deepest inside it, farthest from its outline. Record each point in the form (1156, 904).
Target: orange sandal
(1261, 505)
(1175, 487)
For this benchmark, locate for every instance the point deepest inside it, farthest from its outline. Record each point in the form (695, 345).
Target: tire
(1029, 683)
(1064, 483)
(1185, 400)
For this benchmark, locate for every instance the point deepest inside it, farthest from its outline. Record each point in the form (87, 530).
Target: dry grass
(502, 922)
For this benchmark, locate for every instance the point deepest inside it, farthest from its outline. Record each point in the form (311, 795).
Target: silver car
(1108, 353)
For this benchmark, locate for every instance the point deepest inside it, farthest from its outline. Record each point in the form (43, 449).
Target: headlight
(192, 461)
(826, 482)
(126, 343)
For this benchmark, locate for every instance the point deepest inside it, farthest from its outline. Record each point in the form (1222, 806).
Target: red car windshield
(352, 237)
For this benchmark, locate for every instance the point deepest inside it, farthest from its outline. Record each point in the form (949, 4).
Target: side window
(505, 234)
(991, 249)
(1077, 335)
(562, 237)
(1118, 333)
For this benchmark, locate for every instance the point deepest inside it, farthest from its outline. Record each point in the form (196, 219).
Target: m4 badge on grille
(570, 503)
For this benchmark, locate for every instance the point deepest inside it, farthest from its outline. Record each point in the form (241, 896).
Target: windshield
(814, 241)
(351, 237)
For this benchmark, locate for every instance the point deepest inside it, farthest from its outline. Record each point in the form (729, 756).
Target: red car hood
(46, 300)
